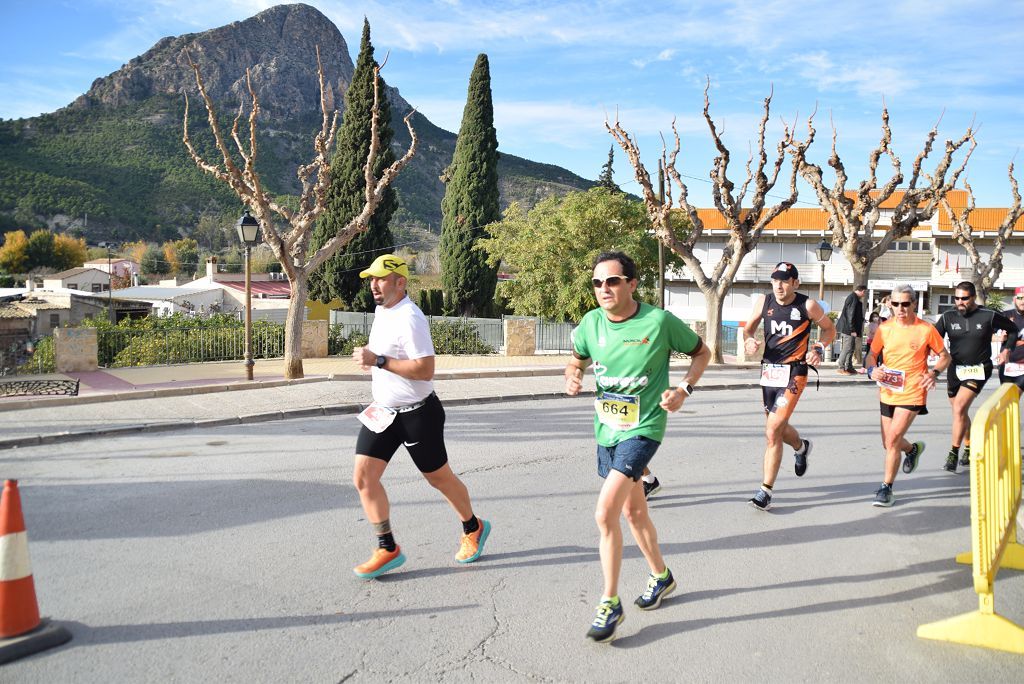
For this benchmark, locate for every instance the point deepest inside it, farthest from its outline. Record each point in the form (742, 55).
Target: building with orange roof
(929, 258)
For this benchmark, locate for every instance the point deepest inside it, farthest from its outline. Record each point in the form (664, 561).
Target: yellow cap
(384, 265)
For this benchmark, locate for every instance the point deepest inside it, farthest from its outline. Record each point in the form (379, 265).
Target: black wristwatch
(381, 361)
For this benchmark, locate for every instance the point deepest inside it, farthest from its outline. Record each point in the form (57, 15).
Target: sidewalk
(127, 400)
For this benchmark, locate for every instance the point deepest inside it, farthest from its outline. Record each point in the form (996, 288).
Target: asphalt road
(225, 554)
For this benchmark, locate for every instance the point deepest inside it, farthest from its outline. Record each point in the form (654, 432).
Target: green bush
(458, 337)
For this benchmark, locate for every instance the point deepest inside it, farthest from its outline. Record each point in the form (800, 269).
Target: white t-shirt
(400, 332)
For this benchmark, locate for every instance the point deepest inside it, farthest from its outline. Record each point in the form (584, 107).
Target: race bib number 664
(618, 411)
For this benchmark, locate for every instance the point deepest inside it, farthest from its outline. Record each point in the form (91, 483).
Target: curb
(309, 411)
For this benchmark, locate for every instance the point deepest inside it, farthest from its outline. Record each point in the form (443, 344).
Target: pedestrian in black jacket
(850, 327)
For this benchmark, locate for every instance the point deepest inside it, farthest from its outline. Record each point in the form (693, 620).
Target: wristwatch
(688, 388)
(381, 361)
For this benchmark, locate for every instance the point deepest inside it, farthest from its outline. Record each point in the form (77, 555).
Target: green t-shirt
(631, 369)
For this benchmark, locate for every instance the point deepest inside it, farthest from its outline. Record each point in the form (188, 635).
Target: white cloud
(867, 80)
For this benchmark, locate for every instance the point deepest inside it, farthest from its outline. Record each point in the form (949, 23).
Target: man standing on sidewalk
(629, 343)
(903, 382)
(850, 327)
(405, 411)
(787, 316)
(970, 329)
(1013, 369)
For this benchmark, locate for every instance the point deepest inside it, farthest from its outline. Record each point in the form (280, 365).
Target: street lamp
(824, 252)
(248, 233)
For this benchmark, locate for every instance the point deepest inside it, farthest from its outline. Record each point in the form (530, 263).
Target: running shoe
(651, 488)
(656, 590)
(602, 629)
(965, 456)
(912, 457)
(380, 562)
(951, 459)
(883, 497)
(473, 543)
(761, 500)
(800, 467)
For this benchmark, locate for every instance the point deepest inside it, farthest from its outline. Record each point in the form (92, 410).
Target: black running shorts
(421, 431)
(888, 410)
(953, 383)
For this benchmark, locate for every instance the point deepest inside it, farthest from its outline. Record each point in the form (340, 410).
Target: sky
(558, 69)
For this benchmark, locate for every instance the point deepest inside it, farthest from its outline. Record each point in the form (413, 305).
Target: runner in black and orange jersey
(787, 319)
(904, 382)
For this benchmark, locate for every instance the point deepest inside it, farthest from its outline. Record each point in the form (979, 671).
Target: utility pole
(110, 286)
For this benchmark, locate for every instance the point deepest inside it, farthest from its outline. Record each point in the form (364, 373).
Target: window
(945, 303)
(72, 286)
(54, 321)
(910, 246)
(96, 287)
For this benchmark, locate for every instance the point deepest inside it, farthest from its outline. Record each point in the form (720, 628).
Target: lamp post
(824, 252)
(248, 232)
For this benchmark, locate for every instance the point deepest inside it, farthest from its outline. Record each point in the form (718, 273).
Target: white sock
(649, 479)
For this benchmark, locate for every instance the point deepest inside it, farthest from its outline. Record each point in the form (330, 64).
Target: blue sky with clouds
(557, 69)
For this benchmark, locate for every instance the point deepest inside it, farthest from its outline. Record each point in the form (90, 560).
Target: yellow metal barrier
(995, 498)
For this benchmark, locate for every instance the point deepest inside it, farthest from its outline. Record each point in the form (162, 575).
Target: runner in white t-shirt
(405, 411)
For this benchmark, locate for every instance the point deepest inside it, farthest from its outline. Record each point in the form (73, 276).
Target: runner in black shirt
(1013, 369)
(970, 329)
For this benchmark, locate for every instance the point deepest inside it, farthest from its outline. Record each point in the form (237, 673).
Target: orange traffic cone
(22, 632)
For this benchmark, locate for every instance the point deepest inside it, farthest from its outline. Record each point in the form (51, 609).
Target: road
(224, 554)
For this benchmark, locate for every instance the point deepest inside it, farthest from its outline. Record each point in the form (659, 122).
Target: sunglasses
(903, 305)
(963, 299)
(613, 281)
(1019, 297)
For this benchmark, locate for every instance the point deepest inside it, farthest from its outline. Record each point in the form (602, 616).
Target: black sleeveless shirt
(787, 330)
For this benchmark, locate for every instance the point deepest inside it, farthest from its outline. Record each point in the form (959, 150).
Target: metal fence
(121, 348)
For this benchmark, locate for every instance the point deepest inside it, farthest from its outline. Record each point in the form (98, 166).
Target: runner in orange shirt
(904, 381)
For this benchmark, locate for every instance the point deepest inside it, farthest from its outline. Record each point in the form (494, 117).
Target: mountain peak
(277, 46)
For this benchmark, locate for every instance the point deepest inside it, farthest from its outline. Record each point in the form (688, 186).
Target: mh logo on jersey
(780, 327)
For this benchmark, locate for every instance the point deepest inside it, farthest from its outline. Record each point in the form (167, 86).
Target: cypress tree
(471, 202)
(605, 180)
(339, 275)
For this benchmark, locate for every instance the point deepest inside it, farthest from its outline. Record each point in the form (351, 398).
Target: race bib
(1013, 370)
(377, 418)
(891, 379)
(618, 411)
(975, 372)
(775, 374)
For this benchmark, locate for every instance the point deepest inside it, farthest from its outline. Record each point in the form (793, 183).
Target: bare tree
(853, 215)
(745, 225)
(984, 275)
(290, 243)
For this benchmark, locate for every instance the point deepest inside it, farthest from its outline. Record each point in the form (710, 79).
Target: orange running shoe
(380, 562)
(473, 543)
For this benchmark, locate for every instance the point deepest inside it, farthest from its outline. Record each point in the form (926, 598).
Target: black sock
(470, 526)
(386, 541)
(955, 449)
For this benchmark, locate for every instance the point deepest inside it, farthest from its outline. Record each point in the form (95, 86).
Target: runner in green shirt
(629, 343)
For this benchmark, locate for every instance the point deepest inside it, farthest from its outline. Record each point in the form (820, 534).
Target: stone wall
(314, 339)
(520, 337)
(75, 349)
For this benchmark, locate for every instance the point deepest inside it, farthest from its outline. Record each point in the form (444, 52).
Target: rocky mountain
(115, 153)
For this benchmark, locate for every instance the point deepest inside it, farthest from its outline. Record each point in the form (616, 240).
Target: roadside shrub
(458, 337)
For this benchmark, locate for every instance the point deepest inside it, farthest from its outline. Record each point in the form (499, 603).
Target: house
(47, 310)
(929, 259)
(83, 279)
(271, 292)
(166, 300)
(121, 268)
